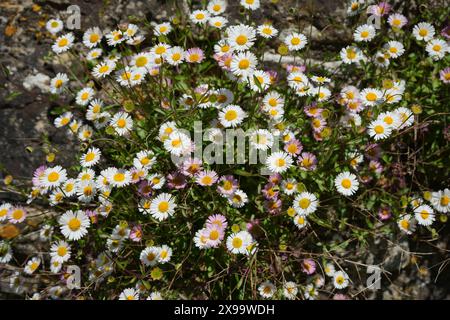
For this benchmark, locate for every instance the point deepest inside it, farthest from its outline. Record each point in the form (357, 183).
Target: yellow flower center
(304, 203)
(214, 235)
(207, 180)
(90, 157)
(346, 183)
(74, 224)
(53, 176)
(94, 38)
(423, 32)
(119, 177)
(371, 96)
(364, 34)
(379, 129)
(17, 214)
(231, 115)
(141, 62)
(62, 251)
(200, 16)
(437, 48)
(445, 201)
(351, 54)
(241, 40)
(295, 41)
(244, 64)
(163, 206)
(280, 162)
(121, 123)
(63, 42)
(237, 243)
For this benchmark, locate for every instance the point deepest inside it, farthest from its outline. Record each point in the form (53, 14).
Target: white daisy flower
(371, 97)
(406, 224)
(17, 215)
(305, 203)
(53, 177)
(391, 119)
(129, 294)
(150, 256)
(351, 54)
(329, 269)
(58, 82)
(91, 157)
(55, 266)
(54, 26)
(296, 41)
(279, 162)
(74, 225)
(4, 209)
(199, 16)
(218, 22)
(94, 54)
(60, 251)
(267, 289)
(84, 96)
(378, 130)
(346, 183)
(216, 7)
(238, 242)
(250, 4)
(243, 64)
(92, 37)
(437, 49)
(63, 119)
(340, 280)
(440, 200)
(178, 143)
(163, 206)
(267, 31)
(290, 290)
(395, 49)
(397, 20)
(115, 37)
(162, 28)
(63, 43)
(119, 177)
(238, 199)
(122, 123)
(424, 215)
(103, 69)
(406, 117)
(165, 253)
(261, 139)
(32, 265)
(423, 31)
(231, 116)
(364, 33)
(241, 37)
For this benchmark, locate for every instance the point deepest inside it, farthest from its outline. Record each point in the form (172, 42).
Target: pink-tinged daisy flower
(397, 20)
(384, 213)
(293, 147)
(318, 124)
(93, 216)
(273, 206)
(191, 167)
(214, 235)
(375, 166)
(379, 10)
(136, 233)
(445, 75)
(145, 188)
(206, 178)
(275, 178)
(194, 55)
(227, 185)
(313, 110)
(307, 161)
(17, 214)
(446, 32)
(270, 191)
(354, 106)
(176, 180)
(250, 226)
(217, 220)
(373, 151)
(308, 266)
(37, 175)
(294, 68)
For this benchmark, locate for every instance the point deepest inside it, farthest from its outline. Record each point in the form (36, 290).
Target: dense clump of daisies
(145, 218)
